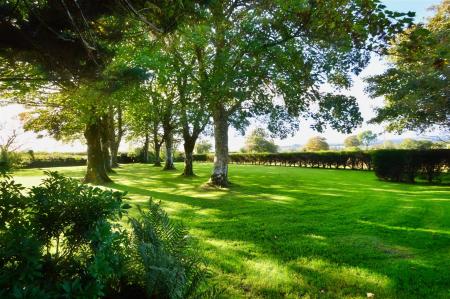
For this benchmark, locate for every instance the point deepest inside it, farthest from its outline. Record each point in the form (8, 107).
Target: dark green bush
(62, 239)
(9, 160)
(200, 157)
(407, 165)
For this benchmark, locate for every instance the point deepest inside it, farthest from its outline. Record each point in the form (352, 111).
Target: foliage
(388, 144)
(367, 138)
(202, 157)
(416, 85)
(203, 147)
(316, 143)
(9, 158)
(409, 143)
(71, 245)
(352, 142)
(258, 142)
(168, 267)
(406, 165)
(324, 159)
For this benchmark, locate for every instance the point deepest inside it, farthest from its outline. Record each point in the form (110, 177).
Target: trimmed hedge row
(61, 161)
(347, 160)
(406, 165)
(391, 165)
(57, 162)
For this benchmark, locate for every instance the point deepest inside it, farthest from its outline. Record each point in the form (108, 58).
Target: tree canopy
(367, 138)
(416, 86)
(352, 141)
(316, 143)
(171, 68)
(258, 141)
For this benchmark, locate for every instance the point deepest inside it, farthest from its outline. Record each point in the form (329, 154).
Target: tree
(249, 52)
(73, 50)
(170, 61)
(352, 142)
(68, 114)
(192, 100)
(367, 138)
(203, 147)
(409, 143)
(8, 146)
(258, 142)
(388, 144)
(144, 119)
(317, 143)
(416, 86)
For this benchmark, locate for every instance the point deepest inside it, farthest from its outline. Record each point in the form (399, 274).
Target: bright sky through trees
(9, 121)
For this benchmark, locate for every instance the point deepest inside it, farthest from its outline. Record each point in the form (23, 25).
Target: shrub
(9, 160)
(62, 239)
(125, 158)
(168, 267)
(200, 157)
(67, 240)
(406, 165)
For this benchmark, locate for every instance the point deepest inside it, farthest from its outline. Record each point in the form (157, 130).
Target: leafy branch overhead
(416, 86)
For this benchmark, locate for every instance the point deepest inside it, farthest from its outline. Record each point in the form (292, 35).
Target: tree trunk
(145, 149)
(96, 172)
(106, 155)
(114, 153)
(188, 158)
(115, 132)
(169, 152)
(157, 155)
(219, 177)
(105, 143)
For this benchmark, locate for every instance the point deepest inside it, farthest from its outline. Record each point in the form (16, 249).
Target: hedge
(70, 161)
(407, 165)
(391, 165)
(57, 162)
(347, 160)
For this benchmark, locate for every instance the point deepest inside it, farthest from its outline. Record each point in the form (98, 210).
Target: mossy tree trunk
(169, 165)
(219, 177)
(145, 148)
(115, 132)
(106, 142)
(96, 172)
(157, 143)
(188, 158)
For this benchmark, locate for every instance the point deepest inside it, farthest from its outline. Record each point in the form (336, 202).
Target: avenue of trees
(164, 72)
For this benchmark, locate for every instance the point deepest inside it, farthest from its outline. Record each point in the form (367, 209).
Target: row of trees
(162, 70)
(259, 141)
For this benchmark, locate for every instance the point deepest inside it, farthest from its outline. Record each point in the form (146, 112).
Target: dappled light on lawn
(285, 232)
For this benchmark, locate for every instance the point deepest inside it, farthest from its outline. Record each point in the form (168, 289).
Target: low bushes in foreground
(63, 239)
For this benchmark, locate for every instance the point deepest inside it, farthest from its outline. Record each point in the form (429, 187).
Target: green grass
(309, 233)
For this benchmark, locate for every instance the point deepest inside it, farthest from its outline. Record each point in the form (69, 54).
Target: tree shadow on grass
(327, 237)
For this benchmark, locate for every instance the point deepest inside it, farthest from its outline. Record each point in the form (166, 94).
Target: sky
(9, 115)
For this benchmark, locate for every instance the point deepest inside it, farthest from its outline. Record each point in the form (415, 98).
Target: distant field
(283, 232)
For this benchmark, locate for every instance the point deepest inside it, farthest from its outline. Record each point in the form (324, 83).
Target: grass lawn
(304, 233)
